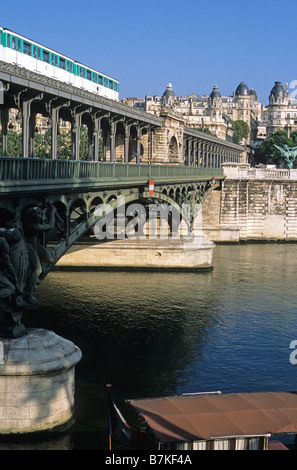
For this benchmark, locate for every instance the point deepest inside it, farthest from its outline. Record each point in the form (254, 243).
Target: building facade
(213, 112)
(281, 112)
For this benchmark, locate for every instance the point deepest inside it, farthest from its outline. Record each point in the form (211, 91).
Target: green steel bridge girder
(81, 186)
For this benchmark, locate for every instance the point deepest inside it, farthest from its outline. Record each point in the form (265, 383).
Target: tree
(241, 131)
(84, 143)
(64, 145)
(14, 144)
(268, 151)
(205, 130)
(42, 145)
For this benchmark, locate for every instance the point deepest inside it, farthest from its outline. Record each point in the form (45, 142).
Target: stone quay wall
(253, 205)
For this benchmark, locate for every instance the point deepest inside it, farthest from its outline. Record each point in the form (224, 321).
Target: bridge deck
(37, 175)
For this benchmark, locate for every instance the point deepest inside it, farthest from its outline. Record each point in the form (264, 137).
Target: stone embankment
(253, 205)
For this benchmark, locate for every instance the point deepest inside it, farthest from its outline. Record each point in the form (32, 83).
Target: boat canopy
(210, 416)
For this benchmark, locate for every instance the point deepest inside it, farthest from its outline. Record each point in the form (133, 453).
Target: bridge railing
(40, 169)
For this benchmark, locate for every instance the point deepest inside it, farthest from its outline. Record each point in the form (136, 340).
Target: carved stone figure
(8, 277)
(37, 221)
(13, 278)
(23, 259)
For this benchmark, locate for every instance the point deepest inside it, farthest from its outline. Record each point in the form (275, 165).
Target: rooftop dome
(168, 93)
(215, 94)
(253, 93)
(242, 89)
(277, 91)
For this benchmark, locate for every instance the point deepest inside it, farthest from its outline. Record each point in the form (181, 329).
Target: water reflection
(147, 324)
(153, 334)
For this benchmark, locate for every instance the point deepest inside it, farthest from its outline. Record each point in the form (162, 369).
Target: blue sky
(193, 44)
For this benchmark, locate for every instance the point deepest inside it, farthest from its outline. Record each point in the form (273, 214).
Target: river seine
(154, 333)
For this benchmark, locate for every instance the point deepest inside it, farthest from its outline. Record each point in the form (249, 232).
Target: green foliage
(14, 144)
(268, 151)
(84, 143)
(64, 145)
(42, 144)
(241, 131)
(205, 130)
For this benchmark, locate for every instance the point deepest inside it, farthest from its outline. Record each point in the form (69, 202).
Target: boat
(219, 421)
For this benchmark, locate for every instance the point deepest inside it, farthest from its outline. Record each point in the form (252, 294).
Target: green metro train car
(19, 50)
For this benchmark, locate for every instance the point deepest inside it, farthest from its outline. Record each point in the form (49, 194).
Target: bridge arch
(83, 215)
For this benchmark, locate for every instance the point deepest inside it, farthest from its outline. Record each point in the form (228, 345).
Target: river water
(155, 334)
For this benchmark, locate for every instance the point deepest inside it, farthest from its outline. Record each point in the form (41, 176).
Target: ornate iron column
(4, 119)
(76, 127)
(127, 127)
(53, 111)
(24, 105)
(113, 121)
(4, 124)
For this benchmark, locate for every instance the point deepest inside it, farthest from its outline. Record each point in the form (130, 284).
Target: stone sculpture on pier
(23, 260)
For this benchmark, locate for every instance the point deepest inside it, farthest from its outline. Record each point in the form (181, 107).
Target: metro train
(17, 49)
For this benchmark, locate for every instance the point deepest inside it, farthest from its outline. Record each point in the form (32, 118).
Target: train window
(81, 71)
(110, 84)
(95, 77)
(89, 75)
(16, 43)
(27, 48)
(54, 59)
(36, 52)
(69, 66)
(62, 63)
(45, 56)
(100, 80)
(105, 82)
